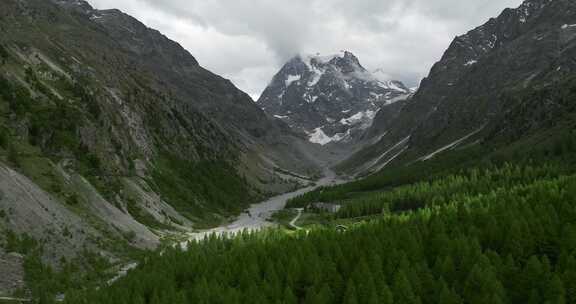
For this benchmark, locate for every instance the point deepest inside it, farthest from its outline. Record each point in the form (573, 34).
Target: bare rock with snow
(329, 98)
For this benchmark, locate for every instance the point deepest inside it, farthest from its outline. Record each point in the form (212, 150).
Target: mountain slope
(329, 98)
(112, 136)
(467, 92)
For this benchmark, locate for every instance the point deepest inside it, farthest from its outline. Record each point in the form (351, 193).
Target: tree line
(511, 244)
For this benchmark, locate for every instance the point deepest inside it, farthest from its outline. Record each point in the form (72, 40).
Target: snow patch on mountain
(324, 59)
(319, 137)
(451, 145)
(331, 98)
(397, 86)
(378, 160)
(360, 117)
(316, 78)
(400, 97)
(391, 159)
(292, 78)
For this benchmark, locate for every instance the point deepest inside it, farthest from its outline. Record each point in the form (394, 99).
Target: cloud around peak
(248, 40)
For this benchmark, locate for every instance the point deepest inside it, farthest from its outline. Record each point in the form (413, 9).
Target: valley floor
(441, 240)
(258, 215)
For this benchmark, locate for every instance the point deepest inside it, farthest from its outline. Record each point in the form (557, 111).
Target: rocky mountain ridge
(332, 99)
(466, 95)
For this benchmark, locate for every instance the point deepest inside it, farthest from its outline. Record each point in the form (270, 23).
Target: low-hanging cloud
(248, 40)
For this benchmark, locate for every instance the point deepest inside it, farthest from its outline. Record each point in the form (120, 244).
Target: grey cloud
(284, 28)
(248, 40)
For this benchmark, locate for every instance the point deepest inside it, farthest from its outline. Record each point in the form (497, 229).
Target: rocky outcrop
(12, 267)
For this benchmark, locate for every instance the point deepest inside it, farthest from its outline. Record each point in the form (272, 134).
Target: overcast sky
(247, 41)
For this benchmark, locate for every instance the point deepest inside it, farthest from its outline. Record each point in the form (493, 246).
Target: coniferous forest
(393, 175)
(501, 234)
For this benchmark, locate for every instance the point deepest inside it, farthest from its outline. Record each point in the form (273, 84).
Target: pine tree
(350, 296)
(289, 297)
(373, 298)
(448, 296)
(324, 296)
(386, 296)
(554, 292)
(569, 279)
(13, 155)
(403, 293)
(481, 286)
(531, 279)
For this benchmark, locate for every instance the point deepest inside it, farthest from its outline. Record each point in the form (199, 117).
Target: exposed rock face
(191, 88)
(330, 98)
(12, 268)
(104, 121)
(462, 98)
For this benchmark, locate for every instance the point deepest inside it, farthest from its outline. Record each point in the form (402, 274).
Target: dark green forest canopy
(491, 237)
(477, 225)
(488, 233)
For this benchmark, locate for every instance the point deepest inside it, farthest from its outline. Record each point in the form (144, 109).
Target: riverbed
(258, 215)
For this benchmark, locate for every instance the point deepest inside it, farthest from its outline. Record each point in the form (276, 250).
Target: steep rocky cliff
(474, 91)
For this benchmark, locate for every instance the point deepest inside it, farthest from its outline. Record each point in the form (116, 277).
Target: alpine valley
(131, 174)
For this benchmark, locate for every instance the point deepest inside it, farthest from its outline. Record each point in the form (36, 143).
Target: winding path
(293, 222)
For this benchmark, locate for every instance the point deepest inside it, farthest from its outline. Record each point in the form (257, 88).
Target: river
(256, 217)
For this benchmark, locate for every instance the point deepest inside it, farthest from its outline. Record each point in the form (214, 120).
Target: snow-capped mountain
(330, 98)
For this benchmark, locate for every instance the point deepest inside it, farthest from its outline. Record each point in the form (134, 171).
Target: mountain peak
(79, 6)
(329, 97)
(345, 60)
